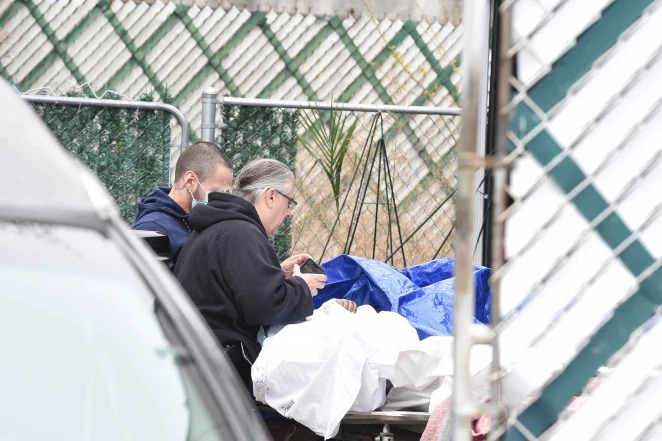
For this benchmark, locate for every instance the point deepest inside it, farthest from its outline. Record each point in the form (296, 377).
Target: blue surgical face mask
(195, 202)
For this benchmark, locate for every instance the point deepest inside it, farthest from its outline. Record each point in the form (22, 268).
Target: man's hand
(347, 304)
(288, 264)
(314, 281)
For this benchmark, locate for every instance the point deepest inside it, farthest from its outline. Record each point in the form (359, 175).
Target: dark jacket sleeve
(174, 228)
(148, 225)
(262, 294)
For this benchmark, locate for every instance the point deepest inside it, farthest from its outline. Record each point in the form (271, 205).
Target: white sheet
(317, 371)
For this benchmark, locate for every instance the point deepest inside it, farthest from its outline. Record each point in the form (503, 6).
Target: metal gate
(127, 144)
(372, 181)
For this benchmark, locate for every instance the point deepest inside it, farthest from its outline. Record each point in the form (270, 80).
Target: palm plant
(326, 137)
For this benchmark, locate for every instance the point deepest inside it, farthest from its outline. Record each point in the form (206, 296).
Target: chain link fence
(127, 144)
(579, 287)
(379, 185)
(259, 50)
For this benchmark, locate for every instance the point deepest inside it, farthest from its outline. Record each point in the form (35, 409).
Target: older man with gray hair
(231, 271)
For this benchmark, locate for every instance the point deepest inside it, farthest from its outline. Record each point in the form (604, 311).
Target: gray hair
(260, 175)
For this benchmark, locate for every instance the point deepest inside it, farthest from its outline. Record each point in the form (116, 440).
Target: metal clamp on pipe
(482, 334)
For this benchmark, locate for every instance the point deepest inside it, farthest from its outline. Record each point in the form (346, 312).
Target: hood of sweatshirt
(158, 200)
(224, 207)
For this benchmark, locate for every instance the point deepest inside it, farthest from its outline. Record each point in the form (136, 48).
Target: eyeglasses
(292, 204)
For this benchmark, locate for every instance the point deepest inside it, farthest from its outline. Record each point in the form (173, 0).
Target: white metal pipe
(121, 104)
(476, 18)
(500, 174)
(208, 127)
(417, 110)
(481, 149)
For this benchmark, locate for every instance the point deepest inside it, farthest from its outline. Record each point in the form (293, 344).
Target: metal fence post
(476, 14)
(501, 96)
(208, 127)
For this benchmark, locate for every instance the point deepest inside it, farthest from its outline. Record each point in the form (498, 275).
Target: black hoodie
(232, 273)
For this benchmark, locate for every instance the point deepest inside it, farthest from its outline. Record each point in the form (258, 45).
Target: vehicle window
(83, 354)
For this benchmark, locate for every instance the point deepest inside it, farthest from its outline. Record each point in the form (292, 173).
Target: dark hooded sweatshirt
(232, 274)
(159, 212)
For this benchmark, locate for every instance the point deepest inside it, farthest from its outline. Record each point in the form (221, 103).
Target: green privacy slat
(443, 74)
(369, 74)
(9, 12)
(81, 26)
(3, 72)
(603, 344)
(336, 24)
(157, 35)
(430, 177)
(367, 70)
(214, 59)
(589, 202)
(402, 120)
(443, 79)
(613, 230)
(49, 59)
(37, 71)
(137, 54)
(294, 63)
(632, 314)
(590, 46)
(60, 48)
(284, 56)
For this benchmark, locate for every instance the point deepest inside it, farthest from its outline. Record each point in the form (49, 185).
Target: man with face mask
(202, 168)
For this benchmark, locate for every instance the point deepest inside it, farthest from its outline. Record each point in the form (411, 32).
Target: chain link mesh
(582, 274)
(181, 48)
(391, 200)
(128, 150)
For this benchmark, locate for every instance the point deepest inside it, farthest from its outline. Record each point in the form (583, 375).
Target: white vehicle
(98, 339)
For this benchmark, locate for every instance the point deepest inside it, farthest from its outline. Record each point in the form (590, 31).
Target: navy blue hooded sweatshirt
(159, 212)
(232, 274)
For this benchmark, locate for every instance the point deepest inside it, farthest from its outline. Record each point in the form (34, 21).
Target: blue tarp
(423, 294)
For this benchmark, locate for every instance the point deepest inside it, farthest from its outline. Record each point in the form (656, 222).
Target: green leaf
(326, 138)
